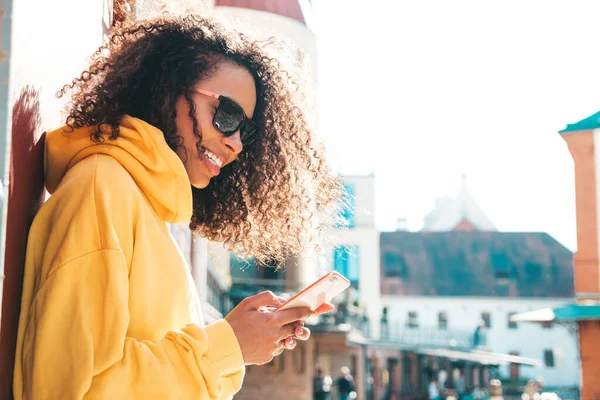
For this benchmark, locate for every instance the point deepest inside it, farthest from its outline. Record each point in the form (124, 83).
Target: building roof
(463, 263)
(569, 312)
(289, 8)
(591, 122)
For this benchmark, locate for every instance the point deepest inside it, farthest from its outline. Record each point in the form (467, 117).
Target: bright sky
(420, 92)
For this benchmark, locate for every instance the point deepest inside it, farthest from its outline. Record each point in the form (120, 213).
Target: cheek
(206, 128)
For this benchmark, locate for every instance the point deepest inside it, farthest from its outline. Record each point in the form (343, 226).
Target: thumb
(264, 299)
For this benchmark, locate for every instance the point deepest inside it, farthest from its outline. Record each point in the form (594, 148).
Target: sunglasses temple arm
(207, 93)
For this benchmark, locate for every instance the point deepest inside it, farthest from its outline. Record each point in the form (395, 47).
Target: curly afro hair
(280, 192)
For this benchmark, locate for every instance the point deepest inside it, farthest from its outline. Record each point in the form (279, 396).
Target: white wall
(366, 237)
(364, 189)
(528, 339)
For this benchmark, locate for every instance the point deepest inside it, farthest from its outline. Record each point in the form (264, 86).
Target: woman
(176, 120)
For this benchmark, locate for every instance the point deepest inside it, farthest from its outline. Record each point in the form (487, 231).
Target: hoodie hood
(141, 149)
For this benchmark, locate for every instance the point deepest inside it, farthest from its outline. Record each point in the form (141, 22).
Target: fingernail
(291, 342)
(299, 331)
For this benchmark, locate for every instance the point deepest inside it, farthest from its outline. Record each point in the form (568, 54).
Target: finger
(288, 330)
(264, 299)
(290, 343)
(293, 314)
(302, 333)
(324, 309)
(279, 350)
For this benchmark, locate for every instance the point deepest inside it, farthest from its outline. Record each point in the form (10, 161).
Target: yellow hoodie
(109, 308)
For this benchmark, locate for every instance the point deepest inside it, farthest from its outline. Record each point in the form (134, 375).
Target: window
(413, 319)
(501, 263)
(501, 274)
(487, 319)
(547, 325)
(443, 320)
(394, 266)
(511, 324)
(549, 358)
(346, 261)
(242, 269)
(349, 204)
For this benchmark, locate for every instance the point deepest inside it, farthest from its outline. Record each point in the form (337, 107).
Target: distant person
(539, 382)
(479, 337)
(322, 386)
(468, 394)
(345, 384)
(460, 386)
(496, 390)
(478, 393)
(433, 390)
(531, 391)
(391, 395)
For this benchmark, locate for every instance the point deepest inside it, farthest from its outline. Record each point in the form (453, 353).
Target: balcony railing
(429, 336)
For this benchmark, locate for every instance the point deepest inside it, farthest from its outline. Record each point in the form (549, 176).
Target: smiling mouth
(212, 157)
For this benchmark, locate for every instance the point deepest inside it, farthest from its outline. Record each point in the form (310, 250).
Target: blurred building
(435, 282)
(461, 213)
(418, 302)
(463, 272)
(582, 315)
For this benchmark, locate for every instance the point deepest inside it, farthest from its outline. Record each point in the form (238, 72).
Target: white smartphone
(319, 292)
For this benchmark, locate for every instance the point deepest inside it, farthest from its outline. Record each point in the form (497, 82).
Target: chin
(200, 185)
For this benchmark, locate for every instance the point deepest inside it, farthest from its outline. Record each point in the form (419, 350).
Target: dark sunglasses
(230, 117)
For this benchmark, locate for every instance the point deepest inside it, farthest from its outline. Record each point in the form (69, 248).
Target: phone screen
(320, 292)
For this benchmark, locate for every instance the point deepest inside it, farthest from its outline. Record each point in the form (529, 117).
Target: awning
(481, 357)
(477, 356)
(569, 312)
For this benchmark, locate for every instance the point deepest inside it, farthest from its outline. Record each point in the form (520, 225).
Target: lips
(211, 160)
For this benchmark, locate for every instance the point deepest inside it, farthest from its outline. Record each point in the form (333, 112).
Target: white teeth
(212, 157)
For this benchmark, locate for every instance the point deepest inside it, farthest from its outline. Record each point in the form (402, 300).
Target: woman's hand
(301, 332)
(261, 334)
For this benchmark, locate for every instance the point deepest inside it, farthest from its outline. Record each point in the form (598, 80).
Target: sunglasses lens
(228, 118)
(248, 133)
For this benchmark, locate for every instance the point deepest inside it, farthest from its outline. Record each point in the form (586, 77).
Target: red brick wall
(289, 377)
(589, 351)
(581, 146)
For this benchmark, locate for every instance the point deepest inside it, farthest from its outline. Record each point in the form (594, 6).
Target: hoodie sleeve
(77, 345)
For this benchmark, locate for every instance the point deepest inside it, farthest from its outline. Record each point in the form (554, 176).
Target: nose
(233, 142)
